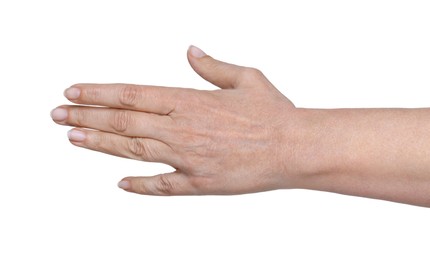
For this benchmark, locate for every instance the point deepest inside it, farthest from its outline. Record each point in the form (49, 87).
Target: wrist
(308, 147)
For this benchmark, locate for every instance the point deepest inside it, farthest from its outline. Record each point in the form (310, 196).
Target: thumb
(174, 183)
(221, 74)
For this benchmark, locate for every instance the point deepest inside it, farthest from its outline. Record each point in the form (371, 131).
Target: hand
(236, 140)
(248, 137)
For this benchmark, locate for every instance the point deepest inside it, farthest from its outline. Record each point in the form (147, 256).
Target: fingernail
(196, 52)
(59, 114)
(72, 93)
(124, 185)
(76, 135)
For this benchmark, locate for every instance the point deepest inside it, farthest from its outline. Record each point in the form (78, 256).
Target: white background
(58, 201)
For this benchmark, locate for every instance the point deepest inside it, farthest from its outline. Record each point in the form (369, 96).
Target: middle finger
(119, 121)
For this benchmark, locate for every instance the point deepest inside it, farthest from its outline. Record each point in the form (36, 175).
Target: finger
(143, 149)
(119, 121)
(222, 74)
(167, 184)
(152, 99)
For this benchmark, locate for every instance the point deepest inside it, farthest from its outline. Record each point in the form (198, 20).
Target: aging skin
(248, 137)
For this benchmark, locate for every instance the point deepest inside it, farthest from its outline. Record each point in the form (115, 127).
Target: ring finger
(137, 148)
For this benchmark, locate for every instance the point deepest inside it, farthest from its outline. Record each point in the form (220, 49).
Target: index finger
(151, 99)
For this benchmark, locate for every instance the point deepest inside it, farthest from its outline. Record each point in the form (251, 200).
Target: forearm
(377, 153)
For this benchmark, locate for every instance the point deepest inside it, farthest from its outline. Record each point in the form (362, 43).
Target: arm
(248, 137)
(377, 153)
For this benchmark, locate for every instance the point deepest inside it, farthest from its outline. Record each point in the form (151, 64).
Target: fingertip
(196, 52)
(72, 93)
(124, 184)
(59, 114)
(76, 135)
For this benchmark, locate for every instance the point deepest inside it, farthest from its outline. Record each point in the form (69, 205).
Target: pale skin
(248, 137)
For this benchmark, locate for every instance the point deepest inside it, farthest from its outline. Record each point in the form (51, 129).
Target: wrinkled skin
(225, 141)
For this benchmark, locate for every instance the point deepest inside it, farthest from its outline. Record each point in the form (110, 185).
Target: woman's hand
(248, 137)
(239, 139)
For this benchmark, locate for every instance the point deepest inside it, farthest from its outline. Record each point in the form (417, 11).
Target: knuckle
(129, 96)
(100, 142)
(183, 96)
(96, 141)
(121, 121)
(163, 185)
(78, 117)
(202, 184)
(140, 188)
(253, 73)
(188, 99)
(91, 94)
(251, 76)
(139, 149)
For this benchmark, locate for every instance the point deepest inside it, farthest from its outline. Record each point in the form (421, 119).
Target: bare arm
(378, 153)
(248, 137)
